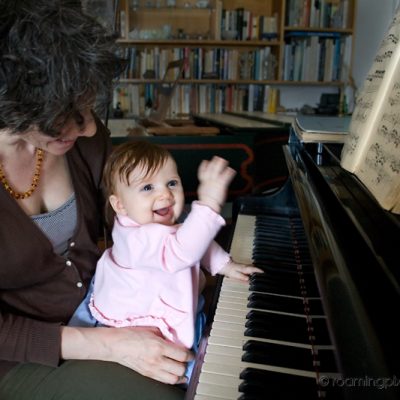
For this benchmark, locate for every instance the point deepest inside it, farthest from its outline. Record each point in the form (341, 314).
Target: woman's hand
(142, 349)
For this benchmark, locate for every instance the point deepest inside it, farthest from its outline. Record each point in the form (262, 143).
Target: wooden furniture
(237, 51)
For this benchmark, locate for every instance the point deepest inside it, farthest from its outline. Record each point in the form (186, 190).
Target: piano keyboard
(269, 337)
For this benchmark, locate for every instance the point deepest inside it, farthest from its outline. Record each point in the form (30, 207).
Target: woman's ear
(117, 205)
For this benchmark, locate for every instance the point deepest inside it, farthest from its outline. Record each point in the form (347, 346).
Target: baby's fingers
(227, 175)
(248, 270)
(202, 170)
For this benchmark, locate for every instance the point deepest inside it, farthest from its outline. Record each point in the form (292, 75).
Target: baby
(151, 275)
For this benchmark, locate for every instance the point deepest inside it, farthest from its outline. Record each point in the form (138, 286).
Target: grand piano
(320, 322)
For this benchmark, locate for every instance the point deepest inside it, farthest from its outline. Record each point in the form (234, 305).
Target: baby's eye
(173, 183)
(147, 188)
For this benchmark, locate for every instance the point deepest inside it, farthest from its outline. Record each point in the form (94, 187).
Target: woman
(55, 63)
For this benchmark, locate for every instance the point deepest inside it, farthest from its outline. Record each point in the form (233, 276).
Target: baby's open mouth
(162, 211)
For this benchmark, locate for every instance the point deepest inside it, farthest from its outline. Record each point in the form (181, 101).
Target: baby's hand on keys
(215, 177)
(239, 271)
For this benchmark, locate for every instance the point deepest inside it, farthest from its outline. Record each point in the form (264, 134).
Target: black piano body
(354, 248)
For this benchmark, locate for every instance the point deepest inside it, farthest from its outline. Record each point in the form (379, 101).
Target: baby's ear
(117, 205)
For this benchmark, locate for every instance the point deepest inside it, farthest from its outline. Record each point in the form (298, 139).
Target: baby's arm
(239, 271)
(215, 177)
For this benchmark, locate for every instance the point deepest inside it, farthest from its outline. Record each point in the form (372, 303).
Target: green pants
(82, 380)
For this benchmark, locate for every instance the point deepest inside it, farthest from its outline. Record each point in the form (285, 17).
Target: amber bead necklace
(35, 179)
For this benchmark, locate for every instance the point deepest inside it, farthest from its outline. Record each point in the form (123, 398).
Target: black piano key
(289, 266)
(294, 283)
(264, 241)
(327, 361)
(260, 384)
(286, 238)
(275, 265)
(277, 303)
(274, 333)
(261, 255)
(270, 256)
(279, 355)
(321, 332)
(278, 288)
(273, 272)
(283, 288)
(278, 275)
(314, 307)
(266, 301)
(283, 276)
(286, 327)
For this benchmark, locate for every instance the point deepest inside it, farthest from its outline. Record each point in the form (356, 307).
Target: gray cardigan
(40, 290)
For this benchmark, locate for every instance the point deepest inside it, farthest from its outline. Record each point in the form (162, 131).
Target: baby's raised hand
(239, 271)
(215, 177)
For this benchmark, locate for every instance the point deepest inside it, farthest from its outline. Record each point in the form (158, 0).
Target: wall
(372, 20)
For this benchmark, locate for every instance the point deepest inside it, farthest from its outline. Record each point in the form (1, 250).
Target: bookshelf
(236, 51)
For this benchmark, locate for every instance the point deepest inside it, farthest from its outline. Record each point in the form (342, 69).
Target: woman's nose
(89, 128)
(73, 129)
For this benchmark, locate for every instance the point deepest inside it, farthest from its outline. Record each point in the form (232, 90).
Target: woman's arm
(141, 349)
(27, 340)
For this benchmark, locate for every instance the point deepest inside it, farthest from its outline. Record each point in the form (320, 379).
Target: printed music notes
(372, 148)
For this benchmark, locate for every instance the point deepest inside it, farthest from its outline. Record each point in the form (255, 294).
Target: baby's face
(157, 198)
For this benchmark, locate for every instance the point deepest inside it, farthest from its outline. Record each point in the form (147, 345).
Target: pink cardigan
(150, 276)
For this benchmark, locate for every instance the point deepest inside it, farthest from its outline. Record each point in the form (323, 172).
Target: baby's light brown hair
(124, 159)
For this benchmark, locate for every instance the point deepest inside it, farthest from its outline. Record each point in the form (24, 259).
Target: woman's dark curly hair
(55, 61)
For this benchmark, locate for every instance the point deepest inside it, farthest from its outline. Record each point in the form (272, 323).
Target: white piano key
(240, 341)
(226, 365)
(241, 299)
(237, 288)
(217, 391)
(235, 285)
(217, 379)
(225, 350)
(227, 341)
(232, 312)
(229, 319)
(234, 296)
(241, 308)
(226, 305)
(221, 334)
(243, 238)
(230, 302)
(220, 371)
(224, 331)
(203, 397)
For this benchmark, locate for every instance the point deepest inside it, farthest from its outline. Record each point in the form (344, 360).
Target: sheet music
(372, 149)
(373, 82)
(381, 169)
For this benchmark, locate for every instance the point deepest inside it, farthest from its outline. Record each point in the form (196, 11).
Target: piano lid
(354, 244)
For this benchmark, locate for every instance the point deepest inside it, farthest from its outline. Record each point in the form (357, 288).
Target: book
(325, 129)
(372, 148)
(218, 20)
